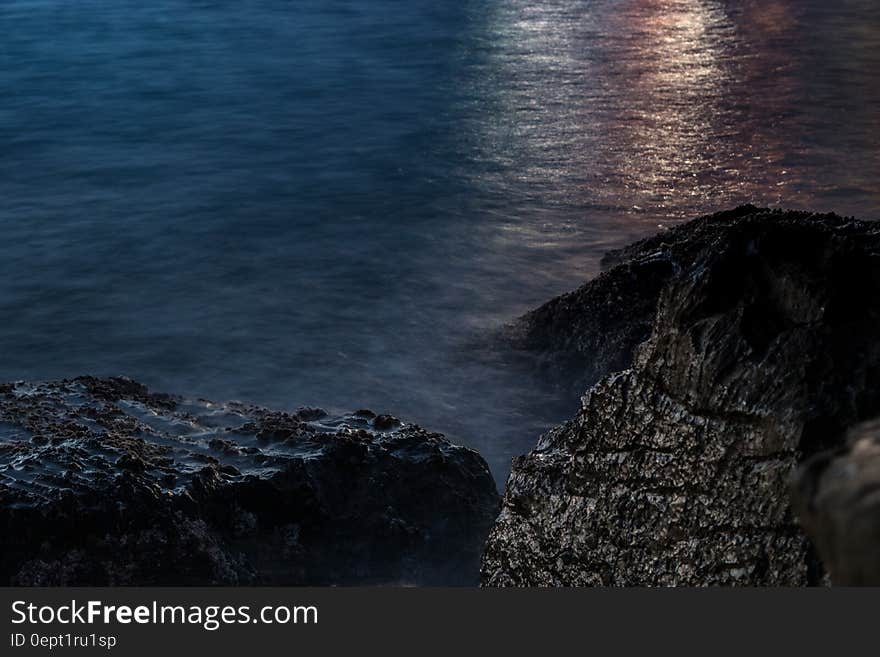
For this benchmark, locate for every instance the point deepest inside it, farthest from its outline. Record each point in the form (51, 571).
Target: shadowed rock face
(837, 497)
(762, 351)
(104, 483)
(579, 337)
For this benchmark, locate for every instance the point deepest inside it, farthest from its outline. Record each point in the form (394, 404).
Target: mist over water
(328, 203)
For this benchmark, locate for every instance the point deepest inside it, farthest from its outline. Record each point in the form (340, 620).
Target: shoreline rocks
(719, 358)
(760, 351)
(837, 497)
(103, 482)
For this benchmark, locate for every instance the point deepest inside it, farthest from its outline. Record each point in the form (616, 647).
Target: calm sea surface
(323, 202)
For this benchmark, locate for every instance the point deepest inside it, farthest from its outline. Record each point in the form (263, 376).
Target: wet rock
(837, 497)
(761, 351)
(385, 422)
(127, 487)
(579, 337)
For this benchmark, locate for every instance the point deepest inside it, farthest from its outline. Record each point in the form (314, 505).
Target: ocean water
(319, 202)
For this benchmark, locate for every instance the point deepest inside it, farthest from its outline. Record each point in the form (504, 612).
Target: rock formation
(837, 496)
(105, 483)
(760, 350)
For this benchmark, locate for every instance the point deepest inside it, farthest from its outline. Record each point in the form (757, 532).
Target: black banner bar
(229, 621)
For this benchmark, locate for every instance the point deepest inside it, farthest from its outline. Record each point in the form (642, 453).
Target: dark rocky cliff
(105, 483)
(760, 350)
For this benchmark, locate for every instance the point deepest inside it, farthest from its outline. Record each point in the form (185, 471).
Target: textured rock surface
(581, 336)
(837, 497)
(104, 483)
(763, 350)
